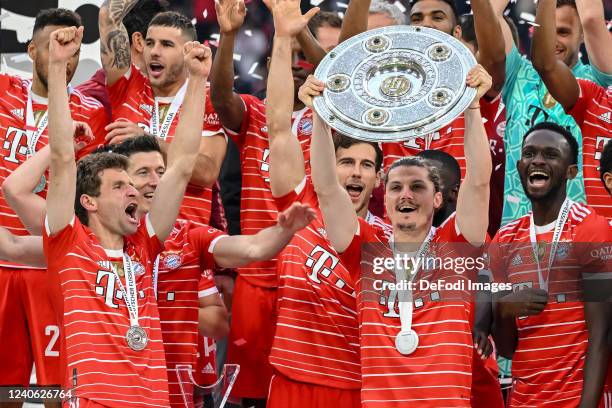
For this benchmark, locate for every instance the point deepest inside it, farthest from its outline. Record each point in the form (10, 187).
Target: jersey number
(54, 332)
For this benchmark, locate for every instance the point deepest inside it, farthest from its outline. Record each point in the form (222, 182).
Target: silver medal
(406, 342)
(41, 185)
(136, 338)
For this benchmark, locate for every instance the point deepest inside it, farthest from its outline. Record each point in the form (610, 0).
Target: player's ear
(88, 202)
(31, 49)
(572, 171)
(438, 200)
(608, 181)
(138, 42)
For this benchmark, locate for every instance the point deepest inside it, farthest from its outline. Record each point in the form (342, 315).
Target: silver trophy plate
(394, 83)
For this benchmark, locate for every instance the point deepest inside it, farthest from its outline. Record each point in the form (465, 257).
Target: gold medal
(548, 101)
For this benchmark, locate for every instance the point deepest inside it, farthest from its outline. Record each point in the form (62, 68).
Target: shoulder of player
(586, 221)
(78, 98)
(508, 232)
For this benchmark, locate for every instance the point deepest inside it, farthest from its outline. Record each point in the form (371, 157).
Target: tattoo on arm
(117, 49)
(118, 9)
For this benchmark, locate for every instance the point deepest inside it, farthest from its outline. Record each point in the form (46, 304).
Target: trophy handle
(219, 391)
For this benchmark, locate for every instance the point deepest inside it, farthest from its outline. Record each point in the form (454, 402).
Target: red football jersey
(101, 367)
(14, 139)
(593, 113)
(188, 251)
(257, 207)
(438, 372)
(132, 99)
(206, 367)
(449, 139)
(548, 362)
(494, 118)
(317, 338)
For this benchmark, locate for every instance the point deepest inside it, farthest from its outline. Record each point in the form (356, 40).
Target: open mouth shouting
(354, 190)
(131, 211)
(156, 69)
(405, 208)
(538, 178)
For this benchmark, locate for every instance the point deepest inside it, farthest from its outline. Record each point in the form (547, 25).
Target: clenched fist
(198, 59)
(64, 44)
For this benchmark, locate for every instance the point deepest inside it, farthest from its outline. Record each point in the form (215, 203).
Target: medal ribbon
(559, 224)
(155, 274)
(34, 132)
(131, 295)
(172, 111)
(405, 305)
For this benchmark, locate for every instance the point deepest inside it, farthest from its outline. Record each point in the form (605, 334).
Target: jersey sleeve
(496, 261)
(131, 82)
(239, 137)
(203, 240)
(304, 193)
(212, 125)
(206, 285)
(354, 253)
(588, 92)
(514, 64)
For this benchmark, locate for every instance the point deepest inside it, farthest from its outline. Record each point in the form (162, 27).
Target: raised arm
(239, 250)
(227, 103)
(114, 42)
(338, 211)
(311, 48)
(498, 8)
(355, 20)
(63, 44)
(26, 250)
(183, 150)
(18, 189)
(287, 168)
(473, 199)
(596, 35)
(491, 45)
(557, 76)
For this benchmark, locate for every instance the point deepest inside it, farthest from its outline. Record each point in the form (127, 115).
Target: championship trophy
(394, 83)
(200, 396)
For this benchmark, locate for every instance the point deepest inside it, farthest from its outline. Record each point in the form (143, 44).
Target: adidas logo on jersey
(208, 369)
(605, 117)
(322, 232)
(517, 260)
(18, 113)
(146, 108)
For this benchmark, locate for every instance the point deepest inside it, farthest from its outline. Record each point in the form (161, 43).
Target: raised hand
(525, 302)
(230, 14)
(288, 18)
(480, 79)
(296, 217)
(82, 135)
(64, 43)
(311, 88)
(121, 130)
(198, 59)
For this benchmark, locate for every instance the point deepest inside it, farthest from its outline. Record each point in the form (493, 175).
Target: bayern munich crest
(394, 83)
(172, 261)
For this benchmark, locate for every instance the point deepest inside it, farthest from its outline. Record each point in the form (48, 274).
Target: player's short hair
(382, 7)
(344, 142)
(567, 135)
(571, 3)
(323, 19)
(88, 179)
(56, 17)
(138, 19)
(175, 20)
(432, 171)
(448, 162)
(452, 5)
(605, 163)
(139, 144)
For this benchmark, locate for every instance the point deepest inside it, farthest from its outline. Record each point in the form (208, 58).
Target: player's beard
(172, 76)
(40, 73)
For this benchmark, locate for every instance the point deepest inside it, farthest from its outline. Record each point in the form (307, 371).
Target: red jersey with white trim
(593, 113)
(449, 139)
(14, 139)
(132, 99)
(101, 367)
(257, 207)
(438, 372)
(548, 363)
(188, 252)
(206, 367)
(317, 336)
